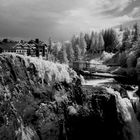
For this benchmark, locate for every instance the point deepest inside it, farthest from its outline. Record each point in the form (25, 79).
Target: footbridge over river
(89, 66)
(93, 75)
(89, 71)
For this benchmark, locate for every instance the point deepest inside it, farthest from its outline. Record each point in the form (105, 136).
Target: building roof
(21, 45)
(7, 46)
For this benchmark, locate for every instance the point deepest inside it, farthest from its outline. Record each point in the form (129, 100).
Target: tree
(88, 41)
(126, 34)
(77, 40)
(69, 51)
(5, 40)
(101, 43)
(55, 51)
(77, 50)
(77, 53)
(135, 33)
(92, 45)
(111, 40)
(50, 45)
(82, 44)
(56, 48)
(126, 42)
(121, 28)
(96, 45)
(62, 55)
(74, 41)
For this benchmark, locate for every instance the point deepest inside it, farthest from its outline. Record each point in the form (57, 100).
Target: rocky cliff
(41, 100)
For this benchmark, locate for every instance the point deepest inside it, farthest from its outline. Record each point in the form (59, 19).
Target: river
(125, 106)
(98, 82)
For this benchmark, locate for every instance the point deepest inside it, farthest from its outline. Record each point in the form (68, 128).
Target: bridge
(88, 66)
(88, 70)
(97, 74)
(119, 78)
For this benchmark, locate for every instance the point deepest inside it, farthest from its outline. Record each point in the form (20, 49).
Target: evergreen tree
(96, 45)
(126, 34)
(74, 41)
(75, 45)
(77, 41)
(88, 41)
(111, 40)
(50, 45)
(92, 45)
(82, 44)
(94, 48)
(126, 42)
(101, 43)
(70, 52)
(92, 34)
(55, 51)
(62, 55)
(121, 28)
(77, 53)
(136, 33)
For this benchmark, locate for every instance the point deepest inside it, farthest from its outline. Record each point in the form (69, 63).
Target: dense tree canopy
(111, 41)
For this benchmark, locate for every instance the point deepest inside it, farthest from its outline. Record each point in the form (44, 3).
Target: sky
(61, 19)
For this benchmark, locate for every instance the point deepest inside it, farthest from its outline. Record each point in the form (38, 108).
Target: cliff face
(41, 100)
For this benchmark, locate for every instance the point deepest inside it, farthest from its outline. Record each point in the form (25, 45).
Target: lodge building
(35, 48)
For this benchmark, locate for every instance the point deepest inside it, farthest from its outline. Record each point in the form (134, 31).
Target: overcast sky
(60, 19)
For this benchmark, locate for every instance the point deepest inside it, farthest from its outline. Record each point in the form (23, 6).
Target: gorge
(42, 100)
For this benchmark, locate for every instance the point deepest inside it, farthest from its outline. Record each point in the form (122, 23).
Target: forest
(85, 45)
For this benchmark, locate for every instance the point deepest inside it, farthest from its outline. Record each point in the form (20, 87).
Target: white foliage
(55, 72)
(106, 56)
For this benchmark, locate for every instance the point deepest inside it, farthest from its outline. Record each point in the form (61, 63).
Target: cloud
(90, 16)
(119, 5)
(135, 12)
(59, 18)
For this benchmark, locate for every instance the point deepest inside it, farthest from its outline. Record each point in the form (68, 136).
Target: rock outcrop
(40, 100)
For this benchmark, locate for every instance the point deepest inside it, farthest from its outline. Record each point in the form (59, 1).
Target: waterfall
(131, 129)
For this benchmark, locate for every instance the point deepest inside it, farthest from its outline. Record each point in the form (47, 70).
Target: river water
(98, 82)
(124, 106)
